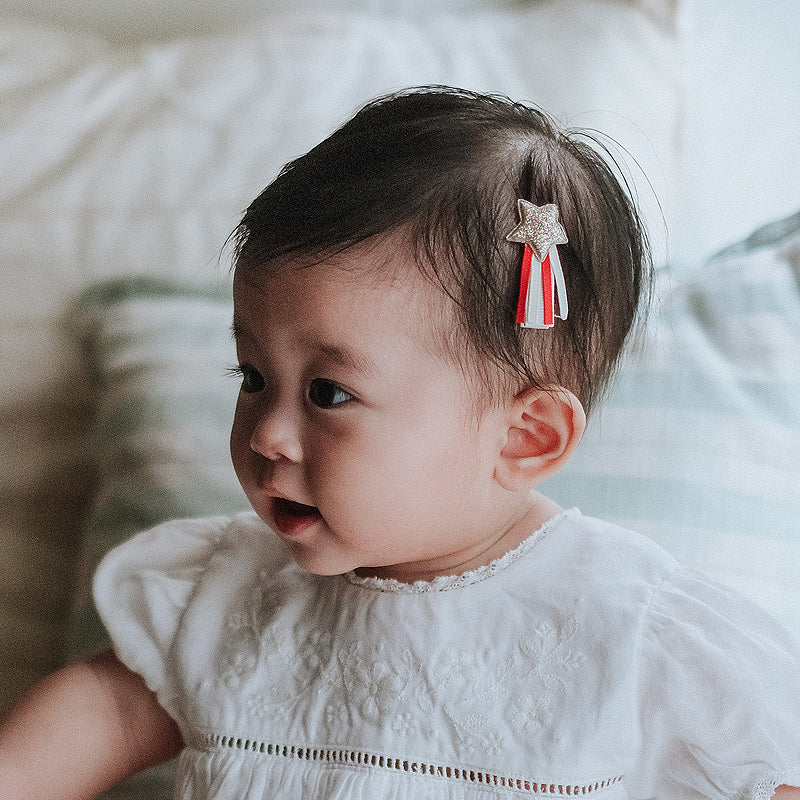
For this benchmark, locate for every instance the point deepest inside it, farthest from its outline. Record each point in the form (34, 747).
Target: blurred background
(739, 58)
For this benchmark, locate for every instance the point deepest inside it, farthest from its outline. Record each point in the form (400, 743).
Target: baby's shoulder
(197, 540)
(601, 575)
(178, 558)
(591, 552)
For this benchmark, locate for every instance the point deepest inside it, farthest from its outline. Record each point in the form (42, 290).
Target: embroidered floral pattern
(374, 679)
(551, 654)
(254, 645)
(417, 695)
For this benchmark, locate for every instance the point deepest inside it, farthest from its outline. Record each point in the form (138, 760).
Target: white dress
(583, 663)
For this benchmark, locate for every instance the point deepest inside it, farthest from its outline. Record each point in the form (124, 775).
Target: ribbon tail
(560, 283)
(524, 285)
(539, 300)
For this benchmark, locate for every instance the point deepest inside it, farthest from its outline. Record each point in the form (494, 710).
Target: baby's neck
(531, 517)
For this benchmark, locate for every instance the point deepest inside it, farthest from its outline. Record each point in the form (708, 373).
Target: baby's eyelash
(252, 381)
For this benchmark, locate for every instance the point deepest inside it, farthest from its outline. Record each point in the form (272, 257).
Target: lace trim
(445, 583)
(360, 758)
(765, 788)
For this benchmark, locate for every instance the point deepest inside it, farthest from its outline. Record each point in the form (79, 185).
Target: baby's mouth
(291, 517)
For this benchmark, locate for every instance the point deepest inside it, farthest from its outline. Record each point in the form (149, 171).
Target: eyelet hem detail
(446, 583)
(347, 757)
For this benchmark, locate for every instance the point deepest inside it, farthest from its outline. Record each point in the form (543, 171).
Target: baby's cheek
(239, 446)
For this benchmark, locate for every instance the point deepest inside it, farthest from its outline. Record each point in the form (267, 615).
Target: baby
(426, 306)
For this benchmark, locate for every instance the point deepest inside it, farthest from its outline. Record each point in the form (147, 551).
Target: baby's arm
(81, 731)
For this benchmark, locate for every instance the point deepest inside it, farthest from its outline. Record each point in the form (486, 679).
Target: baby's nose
(275, 437)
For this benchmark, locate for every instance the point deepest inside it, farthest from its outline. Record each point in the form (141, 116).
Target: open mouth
(291, 517)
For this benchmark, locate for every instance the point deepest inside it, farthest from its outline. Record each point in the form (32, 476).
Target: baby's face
(352, 439)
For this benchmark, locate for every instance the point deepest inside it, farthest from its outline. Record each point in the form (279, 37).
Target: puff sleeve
(719, 696)
(144, 589)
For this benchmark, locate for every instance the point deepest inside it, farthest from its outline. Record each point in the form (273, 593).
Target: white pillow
(139, 21)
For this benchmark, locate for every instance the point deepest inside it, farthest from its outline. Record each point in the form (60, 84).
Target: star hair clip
(542, 290)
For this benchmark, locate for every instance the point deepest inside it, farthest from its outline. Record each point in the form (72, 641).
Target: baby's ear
(544, 427)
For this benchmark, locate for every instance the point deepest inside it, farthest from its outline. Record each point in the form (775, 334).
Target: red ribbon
(547, 288)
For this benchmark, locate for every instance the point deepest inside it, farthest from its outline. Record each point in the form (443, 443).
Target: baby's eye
(252, 381)
(326, 394)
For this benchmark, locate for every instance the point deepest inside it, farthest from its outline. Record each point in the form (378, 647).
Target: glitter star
(538, 227)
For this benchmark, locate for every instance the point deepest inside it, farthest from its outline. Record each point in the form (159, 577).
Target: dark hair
(448, 165)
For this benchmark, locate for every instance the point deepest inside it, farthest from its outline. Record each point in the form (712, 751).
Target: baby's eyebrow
(236, 330)
(348, 358)
(342, 355)
(240, 331)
